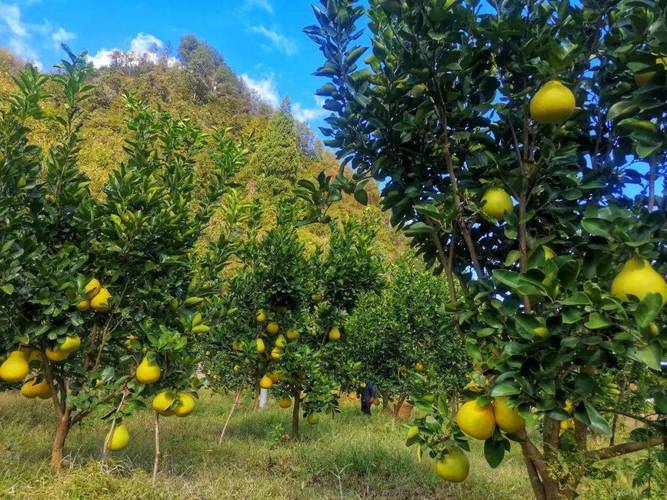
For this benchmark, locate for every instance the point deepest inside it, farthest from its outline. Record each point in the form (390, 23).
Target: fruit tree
(521, 146)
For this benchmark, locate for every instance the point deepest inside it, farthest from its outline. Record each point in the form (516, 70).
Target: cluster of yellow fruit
(17, 365)
(478, 422)
(97, 297)
(168, 403)
(16, 368)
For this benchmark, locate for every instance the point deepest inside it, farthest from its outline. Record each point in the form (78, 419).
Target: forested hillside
(204, 89)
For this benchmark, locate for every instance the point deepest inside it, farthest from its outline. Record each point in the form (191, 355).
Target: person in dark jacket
(368, 392)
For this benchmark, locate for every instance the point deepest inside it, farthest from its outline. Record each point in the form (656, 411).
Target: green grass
(349, 456)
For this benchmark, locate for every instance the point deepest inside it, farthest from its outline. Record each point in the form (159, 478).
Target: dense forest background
(203, 88)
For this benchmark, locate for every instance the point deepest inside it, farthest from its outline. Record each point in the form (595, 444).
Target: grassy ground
(350, 456)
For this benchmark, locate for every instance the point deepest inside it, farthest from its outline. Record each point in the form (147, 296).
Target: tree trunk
(156, 462)
(550, 434)
(385, 398)
(295, 412)
(62, 430)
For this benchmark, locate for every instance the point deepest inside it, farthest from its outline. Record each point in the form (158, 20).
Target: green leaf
(649, 355)
(519, 282)
(361, 196)
(597, 421)
(597, 227)
(505, 389)
(8, 288)
(648, 309)
(494, 451)
(596, 321)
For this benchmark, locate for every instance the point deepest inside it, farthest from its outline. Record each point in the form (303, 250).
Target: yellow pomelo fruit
(83, 305)
(276, 353)
(261, 316)
(552, 104)
(285, 403)
(313, 419)
(148, 372)
(334, 334)
(638, 278)
(292, 334)
(454, 466)
(31, 389)
(419, 366)
(92, 288)
(57, 355)
(260, 345)
(266, 382)
(118, 439)
(413, 431)
(476, 421)
(185, 404)
(162, 401)
(507, 418)
(15, 368)
(71, 343)
(316, 297)
(100, 302)
(496, 202)
(237, 345)
(273, 328)
(280, 341)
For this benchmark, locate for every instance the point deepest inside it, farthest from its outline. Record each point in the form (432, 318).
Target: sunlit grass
(349, 456)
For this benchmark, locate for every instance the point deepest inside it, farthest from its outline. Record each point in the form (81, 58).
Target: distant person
(368, 393)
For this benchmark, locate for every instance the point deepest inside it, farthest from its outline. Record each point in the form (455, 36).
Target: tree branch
(625, 448)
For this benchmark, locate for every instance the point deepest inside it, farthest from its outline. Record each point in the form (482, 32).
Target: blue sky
(260, 39)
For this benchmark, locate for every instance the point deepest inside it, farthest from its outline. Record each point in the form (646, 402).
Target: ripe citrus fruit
(454, 466)
(638, 278)
(148, 372)
(507, 418)
(552, 104)
(495, 203)
(118, 439)
(476, 421)
(185, 404)
(15, 368)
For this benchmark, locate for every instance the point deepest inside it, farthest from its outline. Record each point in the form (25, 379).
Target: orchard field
(201, 299)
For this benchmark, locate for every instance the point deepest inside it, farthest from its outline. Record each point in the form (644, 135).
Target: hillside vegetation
(204, 89)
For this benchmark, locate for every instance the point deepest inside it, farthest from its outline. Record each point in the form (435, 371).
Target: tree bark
(62, 430)
(385, 398)
(296, 407)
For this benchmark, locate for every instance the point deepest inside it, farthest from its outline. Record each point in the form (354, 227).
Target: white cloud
(278, 40)
(143, 47)
(262, 4)
(61, 35)
(11, 16)
(307, 114)
(265, 89)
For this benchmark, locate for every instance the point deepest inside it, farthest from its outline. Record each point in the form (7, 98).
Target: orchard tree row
(113, 303)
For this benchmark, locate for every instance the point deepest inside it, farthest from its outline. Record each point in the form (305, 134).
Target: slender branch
(231, 412)
(633, 416)
(446, 264)
(156, 462)
(625, 448)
